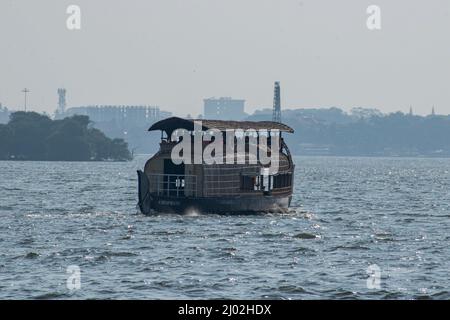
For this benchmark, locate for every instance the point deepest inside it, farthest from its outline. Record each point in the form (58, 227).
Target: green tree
(31, 136)
(5, 141)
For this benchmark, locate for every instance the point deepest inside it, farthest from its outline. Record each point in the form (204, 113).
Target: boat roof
(173, 123)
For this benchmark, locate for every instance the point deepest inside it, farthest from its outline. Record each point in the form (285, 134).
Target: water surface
(348, 214)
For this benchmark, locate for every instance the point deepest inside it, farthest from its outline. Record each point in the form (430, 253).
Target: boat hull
(220, 205)
(242, 204)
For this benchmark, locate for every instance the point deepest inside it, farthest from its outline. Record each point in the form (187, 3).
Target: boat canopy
(171, 124)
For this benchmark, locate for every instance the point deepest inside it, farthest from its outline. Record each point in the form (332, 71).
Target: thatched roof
(171, 124)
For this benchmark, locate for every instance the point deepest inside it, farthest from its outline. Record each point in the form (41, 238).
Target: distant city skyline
(175, 53)
(267, 108)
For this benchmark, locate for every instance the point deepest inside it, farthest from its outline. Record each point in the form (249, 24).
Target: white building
(224, 108)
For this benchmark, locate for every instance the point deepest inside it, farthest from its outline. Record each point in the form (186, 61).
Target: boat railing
(173, 185)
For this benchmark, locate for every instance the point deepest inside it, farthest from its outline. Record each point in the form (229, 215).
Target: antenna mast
(25, 91)
(61, 100)
(276, 117)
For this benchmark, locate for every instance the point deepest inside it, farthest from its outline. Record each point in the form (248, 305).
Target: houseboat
(223, 187)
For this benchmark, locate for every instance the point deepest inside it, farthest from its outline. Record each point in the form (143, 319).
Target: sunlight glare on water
(349, 216)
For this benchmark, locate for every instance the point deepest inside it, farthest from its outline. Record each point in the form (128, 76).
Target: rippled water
(348, 214)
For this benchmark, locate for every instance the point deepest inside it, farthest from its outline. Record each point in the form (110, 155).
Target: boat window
(249, 183)
(282, 180)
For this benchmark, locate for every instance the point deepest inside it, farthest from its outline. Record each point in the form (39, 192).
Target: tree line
(32, 136)
(334, 132)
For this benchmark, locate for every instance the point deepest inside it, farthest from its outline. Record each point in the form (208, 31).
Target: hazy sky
(174, 53)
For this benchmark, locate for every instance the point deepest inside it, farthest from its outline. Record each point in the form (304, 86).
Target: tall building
(224, 108)
(122, 115)
(118, 114)
(117, 121)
